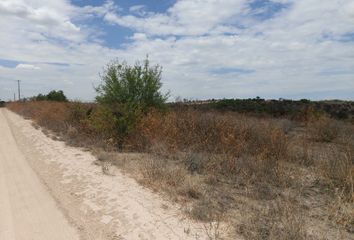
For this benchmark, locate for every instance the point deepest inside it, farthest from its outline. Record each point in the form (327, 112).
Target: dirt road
(49, 190)
(27, 211)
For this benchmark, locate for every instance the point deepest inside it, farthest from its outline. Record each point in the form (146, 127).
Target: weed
(280, 220)
(212, 161)
(339, 170)
(324, 129)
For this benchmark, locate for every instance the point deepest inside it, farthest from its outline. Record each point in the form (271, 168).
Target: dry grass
(280, 177)
(325, 129)
(70, 121)
(341, 212)
(279, 220)
(50, 115)
(225, 144)
(339, 170)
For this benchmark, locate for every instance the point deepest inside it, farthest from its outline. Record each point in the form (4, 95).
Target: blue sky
(207, 48)
(115, 36)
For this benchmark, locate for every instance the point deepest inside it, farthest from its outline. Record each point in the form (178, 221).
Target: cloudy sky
(208, 48)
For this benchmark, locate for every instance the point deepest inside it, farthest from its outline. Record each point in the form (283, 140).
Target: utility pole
(19, 90)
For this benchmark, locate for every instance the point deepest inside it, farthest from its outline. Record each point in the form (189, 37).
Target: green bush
(137, 85)
(103, 121)
(124, 96)
(53, 95)
(114, 122)
(56, 96)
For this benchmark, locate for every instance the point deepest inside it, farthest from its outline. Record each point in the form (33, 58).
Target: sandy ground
(52, 191)
(27, 211)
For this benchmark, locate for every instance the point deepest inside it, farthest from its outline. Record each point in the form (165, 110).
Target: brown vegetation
(269, 178)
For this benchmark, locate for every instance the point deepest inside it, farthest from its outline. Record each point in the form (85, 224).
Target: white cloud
(350, 9)
(27, 66)
(294, 53)
(108, 6)
(139, 37)
(50, 18)
(186, 17)
(140, 10)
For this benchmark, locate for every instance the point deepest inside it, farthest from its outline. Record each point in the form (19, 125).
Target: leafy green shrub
(125, 94)
(137, 85)
(103, 121)
(114, 122)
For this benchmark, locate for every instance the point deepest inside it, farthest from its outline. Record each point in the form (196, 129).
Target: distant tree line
(276, 108)
(53, 95)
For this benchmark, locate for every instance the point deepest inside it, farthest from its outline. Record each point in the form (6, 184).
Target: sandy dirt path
(27, 211)
(55, 176)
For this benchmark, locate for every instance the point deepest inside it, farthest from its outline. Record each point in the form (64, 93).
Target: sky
(207, 48)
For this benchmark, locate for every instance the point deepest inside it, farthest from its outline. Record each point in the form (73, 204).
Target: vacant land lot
(245, 176)
(53, 191)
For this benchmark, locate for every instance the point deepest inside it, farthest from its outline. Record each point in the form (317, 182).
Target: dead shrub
(287, 125)
(153, 170)
(280, 220)
(212, 230)
(51, 115)
(190, 187)
(160, 150)
(324, 129)
(215, 143)
(205, 210)
(195, 162)
(159, 172)
(341, 211)
(72, 132)
(339, 169)
(264, 191)
(302, 152)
